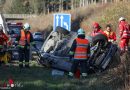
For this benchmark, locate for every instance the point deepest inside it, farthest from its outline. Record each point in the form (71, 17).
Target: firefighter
(110, 34)
(124, 29)
(3, 46)
(96, 30)
(23, 43)
(80, 50)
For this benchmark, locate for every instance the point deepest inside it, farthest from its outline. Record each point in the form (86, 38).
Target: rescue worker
(80, 50)
(124, 29)
(110, 34)
(24, 41)
(96, 30)
(3, 46)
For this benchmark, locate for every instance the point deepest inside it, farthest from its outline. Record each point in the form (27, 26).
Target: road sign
(63, 20)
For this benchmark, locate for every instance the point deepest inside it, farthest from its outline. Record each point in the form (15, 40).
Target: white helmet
(121, 18)
(26, 26)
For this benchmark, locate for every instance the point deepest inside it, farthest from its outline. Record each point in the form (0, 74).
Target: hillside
(85, 16)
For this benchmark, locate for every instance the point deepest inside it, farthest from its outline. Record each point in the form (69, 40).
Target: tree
(38, 6)
(20, 7)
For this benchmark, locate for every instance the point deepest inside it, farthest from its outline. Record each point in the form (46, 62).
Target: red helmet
(96, 25)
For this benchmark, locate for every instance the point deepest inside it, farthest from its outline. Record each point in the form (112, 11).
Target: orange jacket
(81, 49)
(111, 35)
(25, 38)
(124, 29)
(3, 39)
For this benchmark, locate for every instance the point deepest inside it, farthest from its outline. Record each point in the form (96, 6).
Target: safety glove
(71, 53)
(1, 46)
(20, 46)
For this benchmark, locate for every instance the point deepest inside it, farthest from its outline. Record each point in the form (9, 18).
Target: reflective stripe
(9, 40)
(82, 45)
(84, 74)
(126, 34)
(26, 63)
(33, 43)
(20, 62)
(125, 31)
(80, 54)
(71, 74)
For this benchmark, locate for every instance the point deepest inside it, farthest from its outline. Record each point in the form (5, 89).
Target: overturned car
(55, 50)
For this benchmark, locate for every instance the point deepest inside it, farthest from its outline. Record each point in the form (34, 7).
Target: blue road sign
(63, 20)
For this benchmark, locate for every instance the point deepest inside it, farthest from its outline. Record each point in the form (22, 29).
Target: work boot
(27, 66)
(20, 65)
(70, 75)
(84, 76)
(126, 48)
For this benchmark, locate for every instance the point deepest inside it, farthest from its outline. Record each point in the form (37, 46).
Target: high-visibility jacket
(111, 35)
(124, 29)
(81, 49)
(94, 33)
(25, 38)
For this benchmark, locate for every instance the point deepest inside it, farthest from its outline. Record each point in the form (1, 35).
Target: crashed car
(102, 52)
(54, 52)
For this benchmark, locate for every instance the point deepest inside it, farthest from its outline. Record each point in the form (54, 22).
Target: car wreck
(55, 51)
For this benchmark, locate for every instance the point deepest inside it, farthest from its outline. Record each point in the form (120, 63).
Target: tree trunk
(72, 4)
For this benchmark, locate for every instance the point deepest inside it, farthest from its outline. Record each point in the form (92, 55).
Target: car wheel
(100, 38)
(62, 30)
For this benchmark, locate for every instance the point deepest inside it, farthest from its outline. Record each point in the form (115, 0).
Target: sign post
(62, 20)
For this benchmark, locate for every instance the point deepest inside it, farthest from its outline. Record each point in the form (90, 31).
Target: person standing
(124, 29)
(24, 41)
(110, 34)
(80, 50)
(3, 46)
(96, 30)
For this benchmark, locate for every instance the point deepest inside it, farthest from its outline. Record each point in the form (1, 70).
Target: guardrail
(19, 16)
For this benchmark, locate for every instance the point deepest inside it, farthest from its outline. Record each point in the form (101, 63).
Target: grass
(40, 78)
(109, 13)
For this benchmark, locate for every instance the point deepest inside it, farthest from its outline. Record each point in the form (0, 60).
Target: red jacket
(111, 35)
(94, 33)
(3, 39)
(124, 29)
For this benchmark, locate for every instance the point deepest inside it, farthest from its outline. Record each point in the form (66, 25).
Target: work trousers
(79, 63)
(24, 54)
(124, 44)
